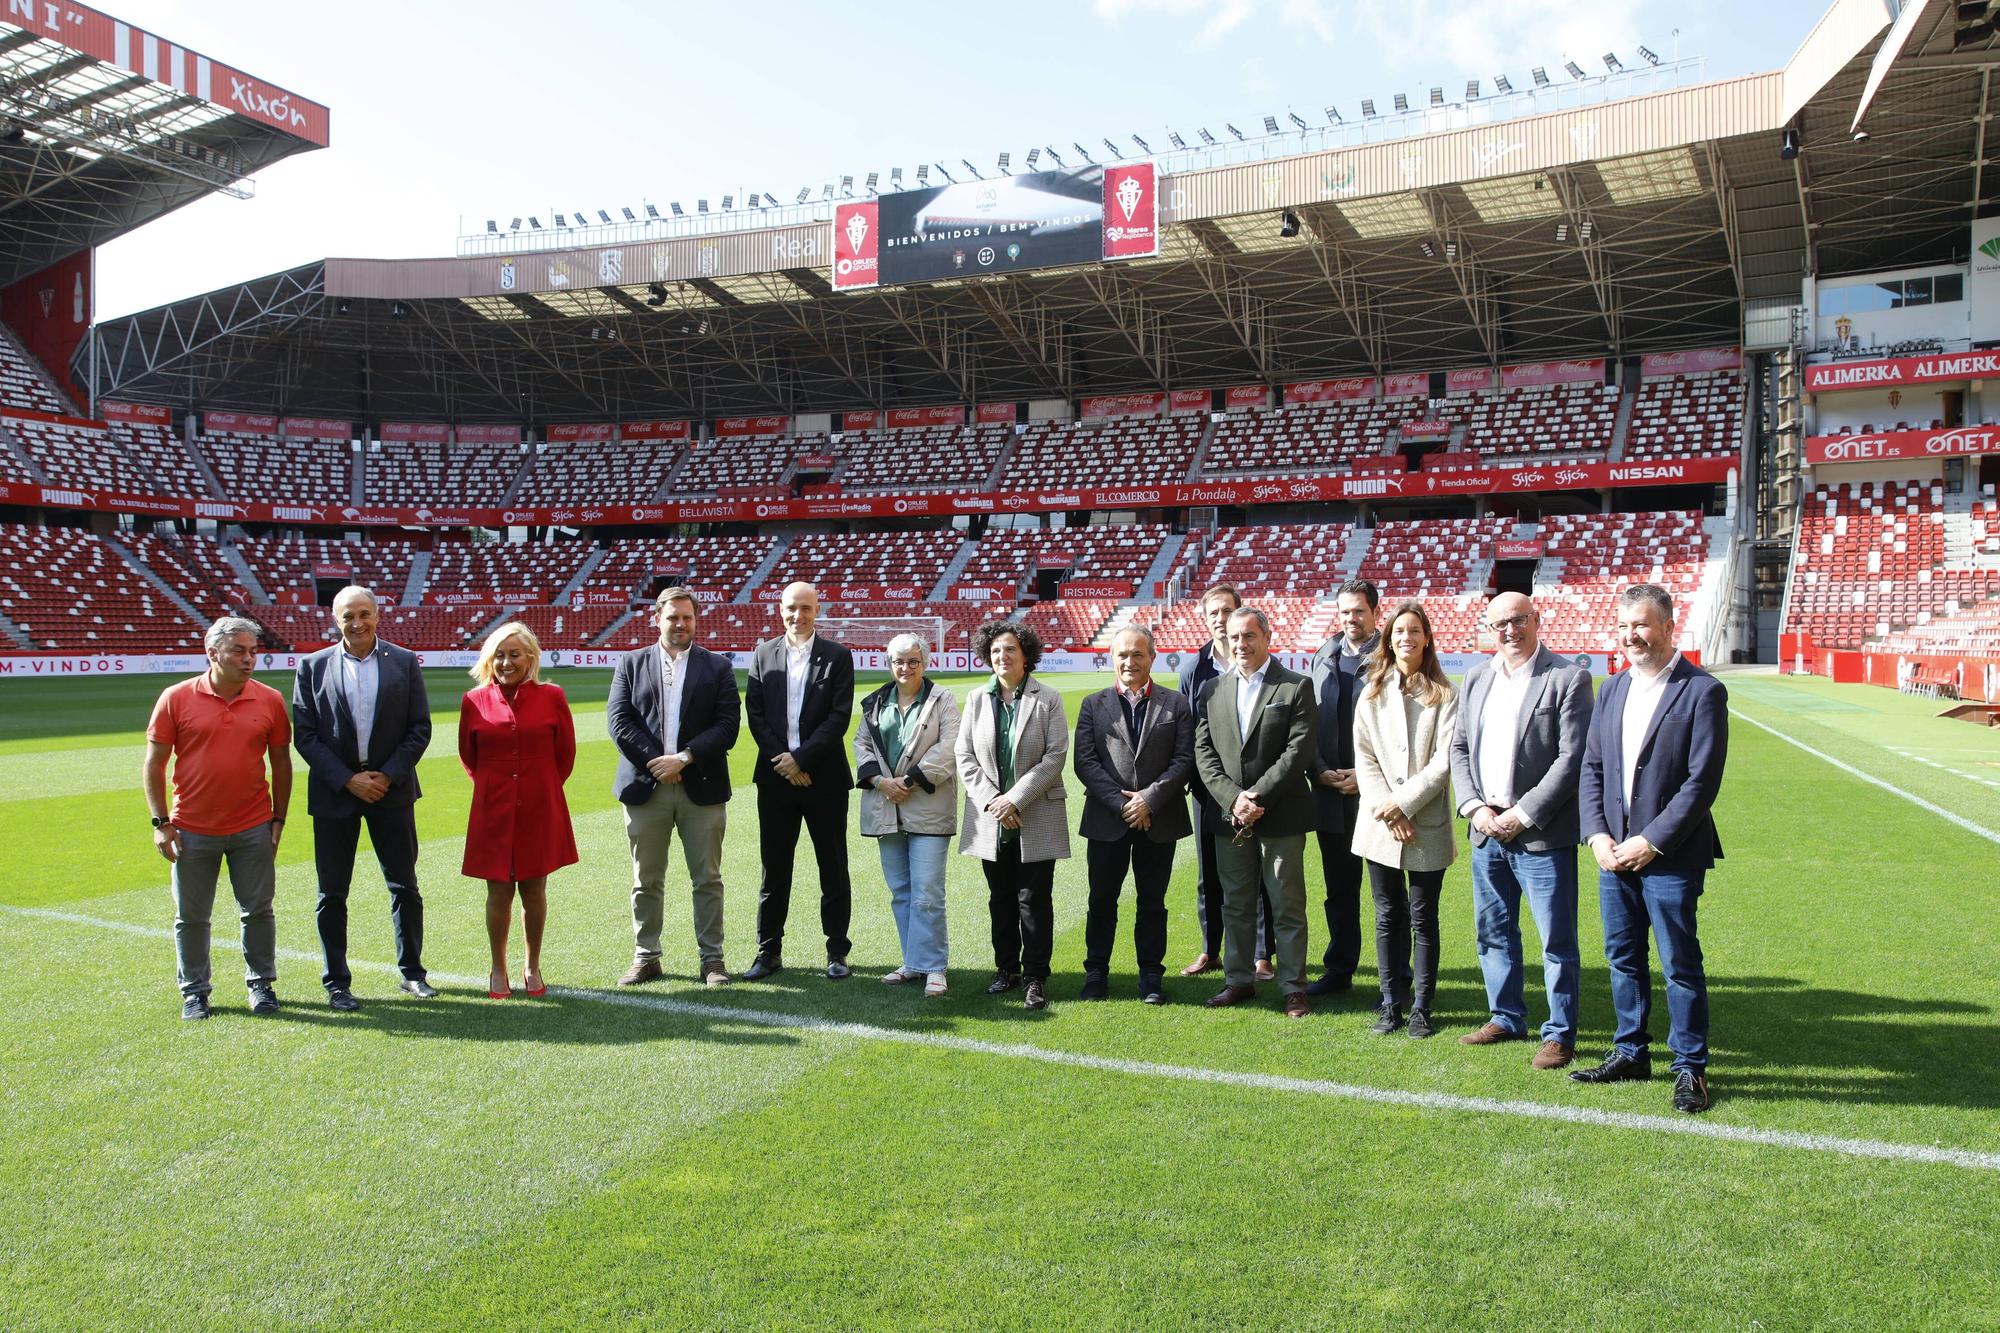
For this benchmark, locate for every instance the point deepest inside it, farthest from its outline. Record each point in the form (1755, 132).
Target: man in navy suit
(361, 720)
(674, 715)
(1651, 770)
(1337, 670)
(801, 695)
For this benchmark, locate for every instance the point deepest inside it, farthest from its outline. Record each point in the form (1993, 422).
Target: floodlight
(874, 178)
(1788, 147)
(805, 193)
(701, 205)
(1368, 108)
(971, 170)
(1562, 231)
(679, 212)
(1472, 90)
(629, 216)
(944, 172)
(924, 174)
(1500, 83)
(826, 191)
(515, 225)
(1647, 54)
(728, 202)
(492, 227)
(1288, 225)
(1081, 151)
(1174, 138)
(656, 294)
(1056, 157)
(1437, 97)
(1144, 147)
(1402, 102)
(1233, 130)
(652, 213)
(536, 223)
(561, 221)
(1575, 70)
(1270, 124)
(604, 217)
(1451, 249)
(1112, 149)
(1207, 138)
(895, 176)
(397, 310)
(1296, 119)
(1333, 115)
(1586, 228)
(1006, 164)
(1430, 252)
(847, 187)
(1611, 63)
(1540, 75)
(1034, 156)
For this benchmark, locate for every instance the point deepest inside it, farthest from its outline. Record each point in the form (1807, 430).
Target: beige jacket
(1041, 744)
(929, 750)
(1402, 752)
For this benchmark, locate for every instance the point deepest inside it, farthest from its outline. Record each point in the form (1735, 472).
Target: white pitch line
(1844, 767)
(1876, 1149)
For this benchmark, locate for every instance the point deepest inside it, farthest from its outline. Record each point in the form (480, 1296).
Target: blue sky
(445, 113)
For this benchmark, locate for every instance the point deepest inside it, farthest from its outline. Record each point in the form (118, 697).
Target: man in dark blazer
(801, 695)
(1336, 677)
(361, 720)
(1134, 754)
(1516, 755)
(674, 715)
(1217, 604)
(1651, 771)
(1254, 750)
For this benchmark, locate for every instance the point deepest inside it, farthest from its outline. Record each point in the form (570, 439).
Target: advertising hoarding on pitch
(959, 230)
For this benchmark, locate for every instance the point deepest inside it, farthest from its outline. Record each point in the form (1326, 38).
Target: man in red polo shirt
(220, 728)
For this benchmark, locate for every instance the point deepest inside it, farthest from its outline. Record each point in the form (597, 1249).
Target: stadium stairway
(952, 569)
(172, 594)
(1200, 459)
(246, 575)
(13, 632)
(1357, 551)
(1162, 567)
(357, 478)
(1621, 429)
(583, 572)
(1006, 456)
(419, 578)
(779, 545)
(41, 372)
(16, 455)
(610, 632)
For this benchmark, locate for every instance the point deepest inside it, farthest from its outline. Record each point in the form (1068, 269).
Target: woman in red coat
(518, 745)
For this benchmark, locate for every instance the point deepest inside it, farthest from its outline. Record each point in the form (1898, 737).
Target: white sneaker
(898, 977)
(934, 984)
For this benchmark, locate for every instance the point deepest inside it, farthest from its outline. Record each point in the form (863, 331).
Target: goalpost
(867, 636)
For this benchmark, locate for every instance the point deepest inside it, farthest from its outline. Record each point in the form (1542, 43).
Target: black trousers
(781, 808)
(1208, 825)
(393, 834)
(1152, 867)
(1343, 901)
(1402, 913)
(1020, 897)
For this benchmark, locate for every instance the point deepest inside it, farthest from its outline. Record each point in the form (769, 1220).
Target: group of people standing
(1371, 751)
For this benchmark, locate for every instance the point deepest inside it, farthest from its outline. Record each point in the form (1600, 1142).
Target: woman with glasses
(1402, 750)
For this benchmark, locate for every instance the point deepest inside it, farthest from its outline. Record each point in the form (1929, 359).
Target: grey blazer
(1411, 765)
(1041, 740)
(1158, 767)
(1548, 749)
(929, 757)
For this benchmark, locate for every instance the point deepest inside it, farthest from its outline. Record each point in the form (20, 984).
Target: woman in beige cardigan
(1402, 751)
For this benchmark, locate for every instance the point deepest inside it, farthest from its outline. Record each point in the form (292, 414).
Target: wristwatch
(163, 821)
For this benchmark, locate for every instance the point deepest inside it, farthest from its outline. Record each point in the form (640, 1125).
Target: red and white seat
(1687, 416)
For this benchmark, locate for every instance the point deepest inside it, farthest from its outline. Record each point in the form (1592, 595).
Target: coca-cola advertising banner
(657, 430)
(1552, 372)
(1107, 589)
(1902, 370)
(1883, 446)
(1122, 405)
(770, 425)
(1330, 391)
(905, 418)
(489, 434)
(1131, 211)
(857, 245)
(318, 428)
(1691, 363)
(1241, 396)
(1426, 429)
(1004, 414)
(414, 432)
(150, 413)
(1190, 400)
(860, 421)
(1513, 550)
(847, 592)
(239, 423)
(1412, 485)
(1470, 381)
(579, 432)
(1406, 386)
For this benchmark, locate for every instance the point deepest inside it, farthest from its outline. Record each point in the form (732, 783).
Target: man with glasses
(1515, 757)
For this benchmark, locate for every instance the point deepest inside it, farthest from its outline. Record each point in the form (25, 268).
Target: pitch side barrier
(38, 666)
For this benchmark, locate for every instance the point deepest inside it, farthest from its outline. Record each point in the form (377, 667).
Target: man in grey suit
(361, 720)
(1134, 754)
(1516, 755)
(1254, 750)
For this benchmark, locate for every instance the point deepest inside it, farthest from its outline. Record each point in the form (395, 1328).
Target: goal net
(868, 636)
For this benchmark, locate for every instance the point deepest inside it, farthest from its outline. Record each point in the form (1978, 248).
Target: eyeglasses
(1519, 622)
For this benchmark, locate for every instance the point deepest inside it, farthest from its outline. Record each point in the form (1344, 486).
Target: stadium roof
(104, 127)
(1665, 221)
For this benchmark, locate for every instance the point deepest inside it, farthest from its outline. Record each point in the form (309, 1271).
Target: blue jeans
(1500, 875)
(1631, 903)
(913, 864)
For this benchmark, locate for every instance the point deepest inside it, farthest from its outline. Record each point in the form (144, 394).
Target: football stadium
(1569, 499)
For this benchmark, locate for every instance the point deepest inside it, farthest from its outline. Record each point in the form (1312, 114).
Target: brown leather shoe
(1488, 1033)
(1265, 972)
(1202, 963)
(713, 973)
(1553, 1055)
(1296, 1005)
(1229, 995)
(641, 971)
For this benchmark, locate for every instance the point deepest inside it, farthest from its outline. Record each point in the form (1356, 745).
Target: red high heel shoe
(505, 990)
(533, 992)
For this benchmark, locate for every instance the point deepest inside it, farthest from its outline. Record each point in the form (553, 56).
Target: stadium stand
(259, 468)
(609, 472)
(1538, 420)
(173, 560)
(1687, 416)
(1309, 438)
(22, 383)
(1123, 551)
(514, 573)
(81, 455)
(930, 458)
(745, 464)
(66, 589)
(398, 472)
(1870, 563)
(160, 452)
(1588, 559)
(285, 561)
(1128, 452)
(896, 559)
(304, 628)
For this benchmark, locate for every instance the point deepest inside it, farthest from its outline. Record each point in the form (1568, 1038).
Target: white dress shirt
(1642, 700)
(1500, 728)
(798, 664)
(360, 680)
(673, 675)
(1247, 689)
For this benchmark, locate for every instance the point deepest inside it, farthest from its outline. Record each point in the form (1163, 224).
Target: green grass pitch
(721, 1160)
